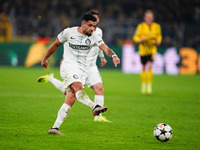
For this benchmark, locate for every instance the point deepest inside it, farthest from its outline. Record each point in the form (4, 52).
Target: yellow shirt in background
(151, 34)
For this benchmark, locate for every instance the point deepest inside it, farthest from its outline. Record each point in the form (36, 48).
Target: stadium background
(24, 24)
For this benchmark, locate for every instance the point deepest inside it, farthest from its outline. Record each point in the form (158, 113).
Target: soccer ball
(163, 132)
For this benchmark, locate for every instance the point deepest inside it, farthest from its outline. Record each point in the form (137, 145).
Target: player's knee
(143, 67)
(99, 90)
(150, 65)
(76, 86)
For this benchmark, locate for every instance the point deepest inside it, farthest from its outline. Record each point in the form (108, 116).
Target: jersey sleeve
(99, 32)
(98, 40)
(62, 36)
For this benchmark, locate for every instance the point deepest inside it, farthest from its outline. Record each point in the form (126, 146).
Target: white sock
(62, 115)
(143, 85)
(149, 85)
(82, 97)
(58, 84)
(99, 99)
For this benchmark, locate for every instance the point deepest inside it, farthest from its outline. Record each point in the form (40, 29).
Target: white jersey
(77, 45)
(95, 51)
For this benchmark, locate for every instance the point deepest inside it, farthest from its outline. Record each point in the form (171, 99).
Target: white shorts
(72, 72)
(93, 76)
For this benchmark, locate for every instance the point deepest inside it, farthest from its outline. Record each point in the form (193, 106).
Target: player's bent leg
(62, 115)
(50, 78)
(63, 112)
(98, 89)
(70, 98)
(99, 94)
(99, 99)
(83, 98)
(81, 95)
(58, 84)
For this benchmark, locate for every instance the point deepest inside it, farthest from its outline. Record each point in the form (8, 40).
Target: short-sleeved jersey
(77, 45)
(151, 34)
(95, 51)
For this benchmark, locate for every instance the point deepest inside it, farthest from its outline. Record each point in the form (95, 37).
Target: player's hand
(103, 61)
(142, 40)
(158, 43)
(44, 63)
(116, 61)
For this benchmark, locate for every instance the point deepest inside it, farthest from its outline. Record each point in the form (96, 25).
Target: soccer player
(77, 42)
(93, 77)
(148, 35)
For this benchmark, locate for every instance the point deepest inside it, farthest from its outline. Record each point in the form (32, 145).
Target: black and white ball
(163, 132)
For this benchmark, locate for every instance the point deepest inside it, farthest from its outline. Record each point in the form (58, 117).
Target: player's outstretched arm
(110, 53)
(49, 52)
(103, 61)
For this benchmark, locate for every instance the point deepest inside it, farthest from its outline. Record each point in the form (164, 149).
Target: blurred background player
(93, 77)
(148, 35)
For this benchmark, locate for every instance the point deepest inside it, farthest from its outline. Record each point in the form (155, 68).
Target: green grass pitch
(28, 109)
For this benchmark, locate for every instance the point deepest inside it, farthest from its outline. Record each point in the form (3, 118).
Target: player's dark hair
(94, 12)
(88, 17)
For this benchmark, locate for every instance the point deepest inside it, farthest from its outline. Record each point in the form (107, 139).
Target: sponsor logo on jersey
(88, 42)
(79, 47)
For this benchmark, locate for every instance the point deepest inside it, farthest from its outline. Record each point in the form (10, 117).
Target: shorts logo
(75, 76)
(88, 42)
